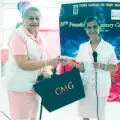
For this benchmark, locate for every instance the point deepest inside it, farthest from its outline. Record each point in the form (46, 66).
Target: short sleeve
(17, 44)
(113, 59)
(79, 57)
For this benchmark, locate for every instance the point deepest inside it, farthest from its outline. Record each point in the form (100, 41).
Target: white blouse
(106, 55)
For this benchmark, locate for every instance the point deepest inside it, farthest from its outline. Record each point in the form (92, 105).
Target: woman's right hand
(58, 60)
(81, 67)
(55, 62)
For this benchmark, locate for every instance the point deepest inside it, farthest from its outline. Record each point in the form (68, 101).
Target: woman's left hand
(98, 65)
(46, 75)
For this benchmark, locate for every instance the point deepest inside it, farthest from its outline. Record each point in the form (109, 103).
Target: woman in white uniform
(93, 105)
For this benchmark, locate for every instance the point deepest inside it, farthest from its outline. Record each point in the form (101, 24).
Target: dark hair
(29, 9)
(92, 18)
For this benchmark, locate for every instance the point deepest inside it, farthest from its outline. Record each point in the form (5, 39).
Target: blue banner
(72, 32)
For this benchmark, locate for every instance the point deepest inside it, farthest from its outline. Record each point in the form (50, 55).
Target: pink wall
(4, 55)
(52, 42)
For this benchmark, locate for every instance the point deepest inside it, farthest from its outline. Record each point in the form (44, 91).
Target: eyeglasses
(94, 27)
(32, 18)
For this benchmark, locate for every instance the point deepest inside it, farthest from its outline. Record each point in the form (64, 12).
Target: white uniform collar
(99, 45)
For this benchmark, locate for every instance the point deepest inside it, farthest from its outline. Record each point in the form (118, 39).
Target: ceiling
(61, 1)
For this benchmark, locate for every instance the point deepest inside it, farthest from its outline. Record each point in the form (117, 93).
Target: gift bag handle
(54, 70)
(41, 109)
(64, 68)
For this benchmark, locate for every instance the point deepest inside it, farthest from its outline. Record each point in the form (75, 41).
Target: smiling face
(93, 29)
(31, 20)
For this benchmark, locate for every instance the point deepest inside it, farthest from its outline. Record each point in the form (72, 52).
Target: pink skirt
(23, 106)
